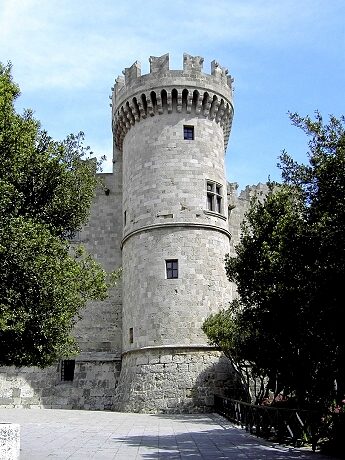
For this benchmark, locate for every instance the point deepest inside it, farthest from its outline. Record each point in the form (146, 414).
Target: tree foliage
(289, 268)
(46, 189)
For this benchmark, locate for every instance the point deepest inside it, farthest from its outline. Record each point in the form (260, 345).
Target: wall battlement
(159, 66)
(136, 97)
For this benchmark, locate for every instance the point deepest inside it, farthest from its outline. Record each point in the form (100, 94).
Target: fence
(293, 425)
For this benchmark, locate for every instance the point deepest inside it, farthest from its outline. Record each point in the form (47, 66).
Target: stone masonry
(167, 200)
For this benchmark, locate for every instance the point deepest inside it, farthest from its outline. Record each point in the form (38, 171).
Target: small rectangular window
(171, 268)
(130, 335)
(188, 133)
(125, 218)
(67, 370)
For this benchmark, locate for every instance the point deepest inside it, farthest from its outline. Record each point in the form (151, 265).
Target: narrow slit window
(218, 204)
(171, 268)
(210, 201)
(188, 133)
(131, 335)
(67, 370)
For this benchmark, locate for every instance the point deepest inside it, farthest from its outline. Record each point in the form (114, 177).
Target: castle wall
(238, 205)
(98, 332)
(92, 388)
(99, 328)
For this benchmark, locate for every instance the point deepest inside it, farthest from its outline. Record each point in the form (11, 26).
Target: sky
(285, 56)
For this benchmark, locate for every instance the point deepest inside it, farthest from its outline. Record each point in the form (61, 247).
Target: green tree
(288, 269)
(46, 189)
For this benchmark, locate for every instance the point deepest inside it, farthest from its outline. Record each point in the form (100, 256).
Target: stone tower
(171, 129)
(165, 215)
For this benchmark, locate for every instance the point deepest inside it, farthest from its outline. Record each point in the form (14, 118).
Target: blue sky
(286, 55)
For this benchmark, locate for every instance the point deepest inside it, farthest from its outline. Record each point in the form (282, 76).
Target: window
(188, 133)
(67, 370)
(171, 268)
(130, 335)
(125, 218)
(214, 197)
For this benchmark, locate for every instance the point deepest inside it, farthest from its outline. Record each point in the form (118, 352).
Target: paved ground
(81, 435)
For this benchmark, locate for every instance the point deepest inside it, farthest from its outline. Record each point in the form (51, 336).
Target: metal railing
(281, 424)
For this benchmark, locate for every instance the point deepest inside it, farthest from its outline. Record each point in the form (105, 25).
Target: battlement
(136, 97)
(159, 67)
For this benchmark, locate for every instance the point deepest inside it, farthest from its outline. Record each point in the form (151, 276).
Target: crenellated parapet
(136, 97)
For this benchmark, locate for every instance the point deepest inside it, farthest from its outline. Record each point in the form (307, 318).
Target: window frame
(188, 132)
(214, 196)
(171, 272)
(67, 370)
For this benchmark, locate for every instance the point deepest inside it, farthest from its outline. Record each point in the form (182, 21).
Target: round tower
(171, 128)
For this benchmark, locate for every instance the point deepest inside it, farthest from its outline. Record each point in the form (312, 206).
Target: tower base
(179, 379)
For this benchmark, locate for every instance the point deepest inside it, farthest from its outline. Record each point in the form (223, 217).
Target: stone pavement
(80, 435)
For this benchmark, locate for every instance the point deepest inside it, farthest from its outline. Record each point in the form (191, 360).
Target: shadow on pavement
(230, 443)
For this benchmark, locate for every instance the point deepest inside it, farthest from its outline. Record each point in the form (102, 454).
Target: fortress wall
(92, 388)
(238, 205)
(98, 332)
(99, 328)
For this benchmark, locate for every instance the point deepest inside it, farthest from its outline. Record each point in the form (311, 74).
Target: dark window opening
(131, 335)
(210, 202)
(172, 268)
(184, 98)
(154, 100)
(188, 133)
(174, 95)
(195, 98)
(144, 102)
(67, 370)
(164, 97)
(218, 204)
(125, 217)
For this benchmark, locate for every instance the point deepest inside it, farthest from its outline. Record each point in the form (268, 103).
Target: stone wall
(99, 328)
(96, 376)
(238, 205)
(98, 332)
(172, 380)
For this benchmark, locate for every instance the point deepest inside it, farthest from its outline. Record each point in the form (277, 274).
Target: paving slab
(80, 435)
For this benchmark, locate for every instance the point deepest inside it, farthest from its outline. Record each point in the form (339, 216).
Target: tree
(288, 269)
(46, 189)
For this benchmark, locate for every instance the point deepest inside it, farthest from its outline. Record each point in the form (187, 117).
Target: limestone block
(9, 441)
(164, 359)
(154, 360)
(179, 358)
(142, 360)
